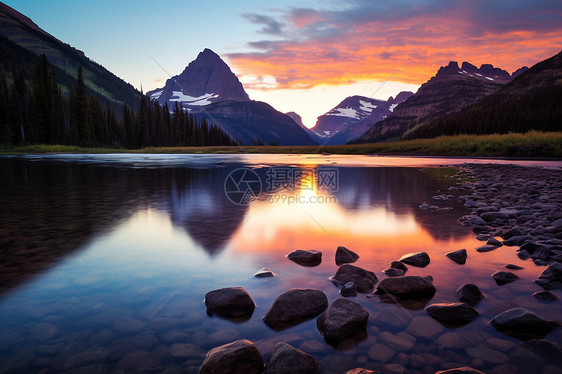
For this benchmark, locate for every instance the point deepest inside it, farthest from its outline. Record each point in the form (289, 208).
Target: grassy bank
(531, 144)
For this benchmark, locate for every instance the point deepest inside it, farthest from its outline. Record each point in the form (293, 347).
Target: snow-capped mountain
(207, 88)
(354, 116)
(206, 80)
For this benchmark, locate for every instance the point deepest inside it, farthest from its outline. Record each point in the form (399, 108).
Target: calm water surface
(106, 260)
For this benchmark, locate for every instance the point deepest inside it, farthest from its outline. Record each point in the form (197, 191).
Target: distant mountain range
(458, 99)
(17, 30)
(451, 89)
(207, 88)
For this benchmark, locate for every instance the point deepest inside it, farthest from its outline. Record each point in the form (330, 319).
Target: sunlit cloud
(404, 41)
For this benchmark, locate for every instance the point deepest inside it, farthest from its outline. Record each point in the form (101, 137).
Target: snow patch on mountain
(156, 95)
(392, 106)
(367, 106)
(344, 112)
(204, 99)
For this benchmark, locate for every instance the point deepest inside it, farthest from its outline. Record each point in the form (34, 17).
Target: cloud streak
(368, 40)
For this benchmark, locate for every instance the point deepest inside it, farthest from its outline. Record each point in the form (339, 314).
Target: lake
(106, 259)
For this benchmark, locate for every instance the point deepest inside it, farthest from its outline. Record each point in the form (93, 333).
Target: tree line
(34, 110)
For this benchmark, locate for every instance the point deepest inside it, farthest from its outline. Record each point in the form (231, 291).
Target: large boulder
(239, 357)
(342, 319)
(458, 256)
(470, 293)
(522, 324)
(229, 302)
(504, 277)
(306, 258)
(364, 280)
(284, 358)
(454, 313)
(345, 256)
(294, 306)
(551, 277)
(409, 286)
(419, 259)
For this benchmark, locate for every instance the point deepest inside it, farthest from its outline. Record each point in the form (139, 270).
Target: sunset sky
(304, 56)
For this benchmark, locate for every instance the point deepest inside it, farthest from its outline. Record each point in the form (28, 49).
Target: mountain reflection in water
(59, 207)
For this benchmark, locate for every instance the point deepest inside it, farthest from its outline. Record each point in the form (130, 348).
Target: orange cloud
(339, 48)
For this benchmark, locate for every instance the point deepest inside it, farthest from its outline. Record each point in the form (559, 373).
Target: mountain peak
(206, 80)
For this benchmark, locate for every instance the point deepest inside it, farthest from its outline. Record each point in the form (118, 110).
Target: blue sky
(304, 56)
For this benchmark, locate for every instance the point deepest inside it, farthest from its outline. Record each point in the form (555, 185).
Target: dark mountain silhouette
(22, 31)
(451, 89)
(531, 101)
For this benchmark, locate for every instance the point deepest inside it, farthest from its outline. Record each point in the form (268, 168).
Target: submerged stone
(523, 324)
(295, 305)
(229, 302)
(342, 318)
(285, 358)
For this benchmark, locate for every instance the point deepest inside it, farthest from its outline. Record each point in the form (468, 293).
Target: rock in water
(264, 273)
(419, 259)
(504, 277)
(229, 302)
(522, 324)
(399, 265)
(342, 319)
(545, 296)
(364, 280)
(470, 294)
(406, 287)
(295, 305)
(393, 272)
(458, 256)
(360, 371)
(306, 258)
(513, 267)
(349, 289)
(454, 313)
(551, 277)
(550, 352)
(239, 357)
(494, 241)
(284, 358)
(345, 256)
(462, 370)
